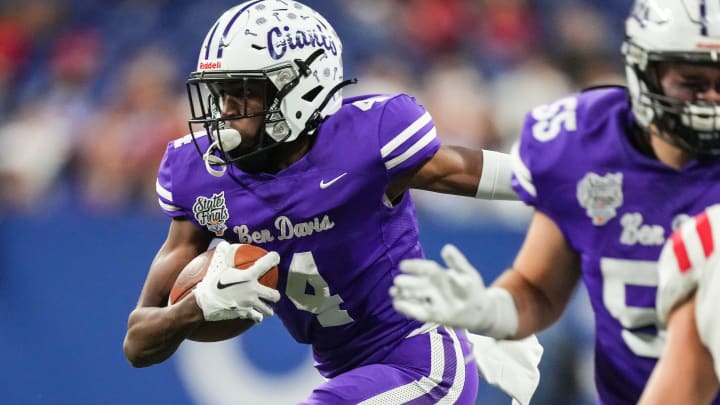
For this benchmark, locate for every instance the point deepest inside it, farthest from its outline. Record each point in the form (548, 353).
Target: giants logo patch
(600, 196)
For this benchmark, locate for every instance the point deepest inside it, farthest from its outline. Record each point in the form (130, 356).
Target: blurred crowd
(91, 91)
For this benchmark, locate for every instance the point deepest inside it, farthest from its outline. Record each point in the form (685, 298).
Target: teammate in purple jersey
(286, 164)
(611, 172)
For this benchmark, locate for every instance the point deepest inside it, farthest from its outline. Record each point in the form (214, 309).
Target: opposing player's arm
(543, 276)
(684, 374)
(461, 171)
(155, 330)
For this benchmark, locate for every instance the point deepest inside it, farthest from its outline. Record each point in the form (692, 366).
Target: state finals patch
(212, 213)
(600, 196)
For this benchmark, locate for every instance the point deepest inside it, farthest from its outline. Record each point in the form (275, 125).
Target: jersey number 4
(303, 273)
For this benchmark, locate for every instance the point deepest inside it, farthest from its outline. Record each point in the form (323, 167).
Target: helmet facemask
(207, 91)
(691, 126)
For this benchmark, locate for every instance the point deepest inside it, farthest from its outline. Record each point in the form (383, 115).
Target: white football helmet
(281, 46)
(685, 31)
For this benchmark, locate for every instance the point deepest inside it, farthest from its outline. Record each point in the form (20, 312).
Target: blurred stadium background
(91, 91)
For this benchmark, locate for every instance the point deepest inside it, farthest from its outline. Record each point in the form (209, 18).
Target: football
(194, 271)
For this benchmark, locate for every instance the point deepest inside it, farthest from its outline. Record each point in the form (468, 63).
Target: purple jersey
(615, 207)
(339, 239)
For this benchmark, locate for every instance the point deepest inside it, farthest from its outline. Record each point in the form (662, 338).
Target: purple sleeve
(522, 179)
(406, 135)
(542, 156)
(164, 186)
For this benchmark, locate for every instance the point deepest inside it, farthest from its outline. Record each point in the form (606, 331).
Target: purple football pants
(434, 367)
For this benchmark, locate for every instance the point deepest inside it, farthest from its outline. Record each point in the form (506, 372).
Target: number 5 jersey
(615, 206)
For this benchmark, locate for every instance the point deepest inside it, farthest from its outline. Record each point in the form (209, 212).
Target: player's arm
(525, 299)
(461, 171)
(543, 276)
(155, 330)
(684, 374)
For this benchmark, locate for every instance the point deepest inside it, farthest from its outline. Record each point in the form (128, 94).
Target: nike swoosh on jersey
(324, 185)
(221, 286)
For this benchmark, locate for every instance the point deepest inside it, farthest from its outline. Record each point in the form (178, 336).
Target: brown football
(194, 271)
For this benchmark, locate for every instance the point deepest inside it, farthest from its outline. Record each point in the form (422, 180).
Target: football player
(689, 267)
(610, 172)
(278, 158)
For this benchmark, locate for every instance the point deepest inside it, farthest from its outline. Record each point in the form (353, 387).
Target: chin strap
(304, 70)
(211, 160)
(316, 117)
(225, 140)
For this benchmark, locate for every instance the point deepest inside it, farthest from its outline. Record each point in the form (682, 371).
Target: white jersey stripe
(163, 192)
(423, 142)
(403, 136)
(168, 207)
(522, 173)
(459, 380)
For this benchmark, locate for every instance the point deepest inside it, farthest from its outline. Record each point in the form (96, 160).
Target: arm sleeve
(164, 186)
(550, 135)
(407, 135)
(688, 254)
(707, 316)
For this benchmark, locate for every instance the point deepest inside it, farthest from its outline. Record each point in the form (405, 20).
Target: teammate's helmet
(686, 31)
(284, 48)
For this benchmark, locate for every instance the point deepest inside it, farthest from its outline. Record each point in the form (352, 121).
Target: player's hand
(455, 296)
(228, 293)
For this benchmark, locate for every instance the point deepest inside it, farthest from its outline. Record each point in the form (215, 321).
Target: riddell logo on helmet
(706, 45)
(210, 65)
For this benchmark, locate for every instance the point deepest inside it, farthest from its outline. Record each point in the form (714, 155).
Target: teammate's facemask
(673, 31)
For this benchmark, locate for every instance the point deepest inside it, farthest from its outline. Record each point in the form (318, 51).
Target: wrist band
(495, 179)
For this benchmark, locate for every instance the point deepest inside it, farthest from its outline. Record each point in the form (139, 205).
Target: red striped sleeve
(681, 254)
(702, 224)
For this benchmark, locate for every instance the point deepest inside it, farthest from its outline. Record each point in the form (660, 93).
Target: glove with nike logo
(229, 293)
(455, 296)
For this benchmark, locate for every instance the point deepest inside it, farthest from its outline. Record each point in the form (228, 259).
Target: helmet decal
(709, 12)
(279, 42)
(222, 42)
(648, 11)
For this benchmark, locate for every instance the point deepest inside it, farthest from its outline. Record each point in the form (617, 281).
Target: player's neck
(651, 143)
(278, 157)
(288, 153)
(640, 139)
(669, 154)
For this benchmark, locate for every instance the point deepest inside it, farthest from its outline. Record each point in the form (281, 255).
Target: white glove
(228, 293)
(511, 365)
(455, 297)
